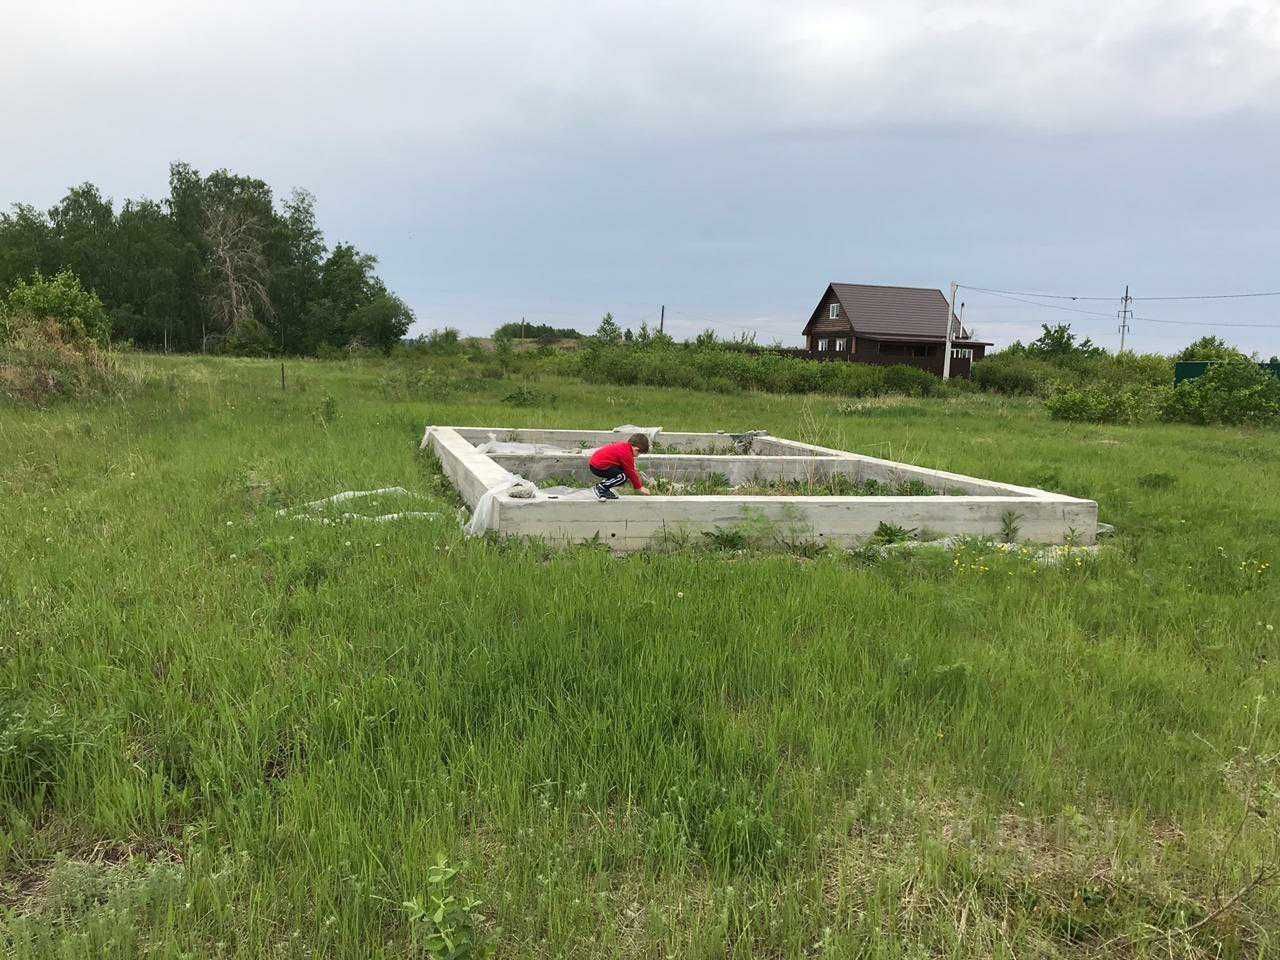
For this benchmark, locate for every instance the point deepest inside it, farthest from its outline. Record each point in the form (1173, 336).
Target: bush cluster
(727, 371)
(1233, 391)
(53, 336)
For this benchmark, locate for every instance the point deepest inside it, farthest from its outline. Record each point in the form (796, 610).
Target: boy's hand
(644, 491)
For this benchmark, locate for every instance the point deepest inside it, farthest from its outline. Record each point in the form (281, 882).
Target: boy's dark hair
(640, 442)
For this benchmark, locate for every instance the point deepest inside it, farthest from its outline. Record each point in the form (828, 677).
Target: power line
(1210, 323)
(1049, 306)
(1110, 316)
(1216, 296)
(1024, 293)
(1069, 296)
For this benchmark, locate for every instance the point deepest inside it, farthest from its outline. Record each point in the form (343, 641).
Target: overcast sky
(555, 160)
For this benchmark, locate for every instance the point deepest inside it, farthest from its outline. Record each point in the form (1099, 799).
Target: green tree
(1208, 348)
(504, 352)
(608, 331)
(295, 249)
(382, 321)
(1058, 342)
(27, 245)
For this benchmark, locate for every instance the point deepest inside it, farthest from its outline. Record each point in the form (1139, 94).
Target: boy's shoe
(604, 493)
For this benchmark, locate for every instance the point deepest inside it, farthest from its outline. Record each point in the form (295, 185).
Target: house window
(822, 345)
(839, 344)
(961, 353)
(833, 312)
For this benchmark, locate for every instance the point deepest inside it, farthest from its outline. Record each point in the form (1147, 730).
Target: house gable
(821, 321)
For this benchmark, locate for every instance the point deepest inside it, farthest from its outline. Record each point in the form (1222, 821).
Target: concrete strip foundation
(963, 506)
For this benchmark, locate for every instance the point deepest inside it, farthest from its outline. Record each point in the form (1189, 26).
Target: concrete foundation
(963, 505)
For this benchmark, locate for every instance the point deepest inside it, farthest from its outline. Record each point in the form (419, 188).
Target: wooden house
(866, 323)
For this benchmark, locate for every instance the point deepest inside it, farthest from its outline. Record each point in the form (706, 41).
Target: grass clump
(41, 361)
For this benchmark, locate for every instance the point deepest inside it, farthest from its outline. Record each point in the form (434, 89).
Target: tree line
(220, 264)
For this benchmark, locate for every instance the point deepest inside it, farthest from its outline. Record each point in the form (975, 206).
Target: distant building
(863, 323)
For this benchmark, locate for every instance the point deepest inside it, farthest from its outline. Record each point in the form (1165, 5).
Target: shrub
(527, 396)
(446, 342)
(39, 363)
(1106, 404)
(724, 370)
(1208, 348)
(418, 382)
(1235, 391)
(78, 312)
(1017, 375)
(1132, 368)
(910, 380)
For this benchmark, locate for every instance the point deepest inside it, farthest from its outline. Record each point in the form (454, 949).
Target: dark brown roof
(880, 311)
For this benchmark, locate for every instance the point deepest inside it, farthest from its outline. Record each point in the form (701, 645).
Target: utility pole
(946, 354)
(1126, 314)
(662, 316)
(524, 329)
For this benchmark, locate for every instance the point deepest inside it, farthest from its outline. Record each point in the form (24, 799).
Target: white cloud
(415, 74)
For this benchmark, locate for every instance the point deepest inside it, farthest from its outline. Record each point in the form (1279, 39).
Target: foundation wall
(683, 467)
(632, 522)
(472, 472)
(590, 439)
(980, 509)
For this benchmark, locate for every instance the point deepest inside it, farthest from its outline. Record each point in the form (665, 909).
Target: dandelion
(679, 594)
(233, 556)
(348, 543)
(231, 523)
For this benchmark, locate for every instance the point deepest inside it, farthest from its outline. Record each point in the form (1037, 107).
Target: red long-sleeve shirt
(617, 455)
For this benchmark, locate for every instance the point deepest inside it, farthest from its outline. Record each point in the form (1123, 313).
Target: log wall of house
(866, 350)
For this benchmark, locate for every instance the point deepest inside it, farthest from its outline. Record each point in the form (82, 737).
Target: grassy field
(225, 733)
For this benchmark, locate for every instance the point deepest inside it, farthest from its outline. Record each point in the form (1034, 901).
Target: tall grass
(224, 732)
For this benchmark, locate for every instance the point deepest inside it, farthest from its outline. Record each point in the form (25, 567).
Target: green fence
(1190, 369)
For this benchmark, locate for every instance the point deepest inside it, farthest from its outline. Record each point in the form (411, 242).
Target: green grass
(717, 484)
(227, 733)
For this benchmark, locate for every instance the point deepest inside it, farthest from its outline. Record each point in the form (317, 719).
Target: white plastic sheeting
(308, 511)
(494, 445)
(482, 517)
(629, 428)
(518, 488)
